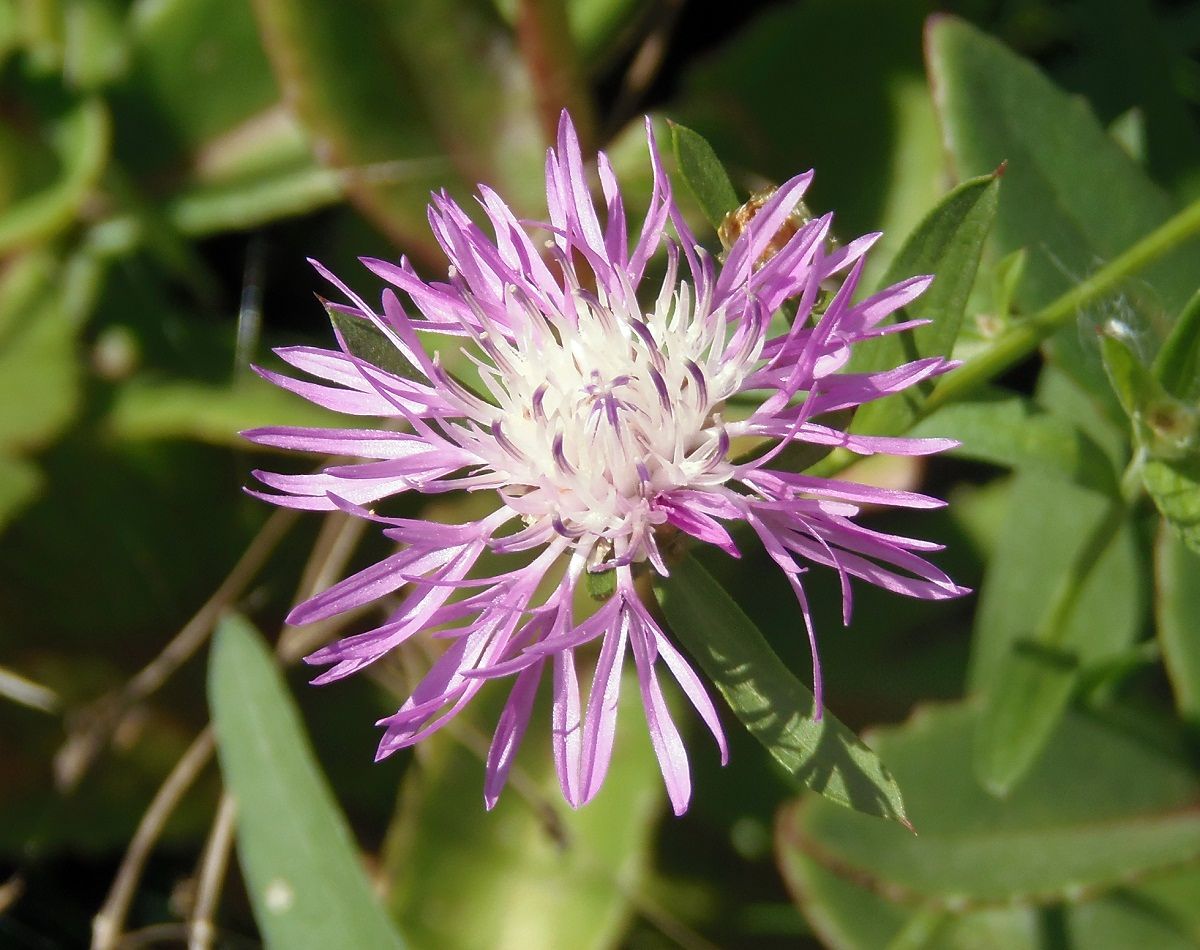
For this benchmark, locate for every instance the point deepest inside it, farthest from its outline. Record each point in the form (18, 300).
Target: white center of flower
(600, 413)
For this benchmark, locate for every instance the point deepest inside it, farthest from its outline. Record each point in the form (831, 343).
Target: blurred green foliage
(166, 166)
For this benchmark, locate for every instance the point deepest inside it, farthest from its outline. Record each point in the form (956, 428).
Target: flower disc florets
(601, 422)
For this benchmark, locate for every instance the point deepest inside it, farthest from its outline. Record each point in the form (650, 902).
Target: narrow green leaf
(770, 701)
(206, 413)
(1011, 430)
(1102, 807)
(704, 174)
(304, 876)
(370, 344)
(532, 872)
(1073, 197)
(1135, 386)
(79, 140)
(947, 243)
(1177, 365)
(1177, 616)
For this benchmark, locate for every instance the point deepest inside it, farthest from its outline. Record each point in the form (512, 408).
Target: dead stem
(110, 921)
(213, 867)
(102, 720)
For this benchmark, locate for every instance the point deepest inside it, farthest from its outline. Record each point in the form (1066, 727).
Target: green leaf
(206, 413)
(1073, 197)
(1021, 710)
(39, 365)
(775, 706)
(19, 484)
(740, 100)
(1177, 365)
(947, 243)
(1047, 523)
(532, 870)
(369, 343)
(704, 174)
(1078, 825)
(78, 139)
(303, 873)
(1134, 384)
(1174, 484)
(1177, 616)
(1011, 430)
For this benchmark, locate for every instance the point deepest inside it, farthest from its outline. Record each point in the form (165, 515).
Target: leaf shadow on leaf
(828, 763)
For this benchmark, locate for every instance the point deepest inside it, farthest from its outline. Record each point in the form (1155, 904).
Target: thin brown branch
(104, 718)
(213, 867)
(109, 923)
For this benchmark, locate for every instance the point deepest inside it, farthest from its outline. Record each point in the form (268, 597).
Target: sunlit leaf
(303, 873)
(703, 174)
(1073, 197)
(770, 701)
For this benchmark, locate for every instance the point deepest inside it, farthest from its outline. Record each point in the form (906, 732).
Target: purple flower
(603, 424)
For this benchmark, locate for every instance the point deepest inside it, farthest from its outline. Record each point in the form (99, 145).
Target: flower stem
(1025, 336)
(554, 67)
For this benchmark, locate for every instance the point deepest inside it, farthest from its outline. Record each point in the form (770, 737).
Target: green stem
(1025, 336)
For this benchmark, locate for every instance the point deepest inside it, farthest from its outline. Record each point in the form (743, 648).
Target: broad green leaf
(850, 917)
(1034, 681)
(19, 483)
(1078, 825)
(1021, 710)
(1011, 430)
(78, 141)
(532, 870)
(1177, 365)
(770, 701)
(703, 173)
(1135, 34)
(1073, 197)
(1047, 524)
(207, 413)
(1177, 618)
(303, 872)
(1174, 484)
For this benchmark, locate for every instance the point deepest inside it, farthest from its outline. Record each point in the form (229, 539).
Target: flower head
(603, 423)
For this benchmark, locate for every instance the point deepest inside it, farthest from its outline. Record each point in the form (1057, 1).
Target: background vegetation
(165, 168)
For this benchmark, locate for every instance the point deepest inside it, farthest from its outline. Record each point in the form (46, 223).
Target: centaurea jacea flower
(602, 426)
